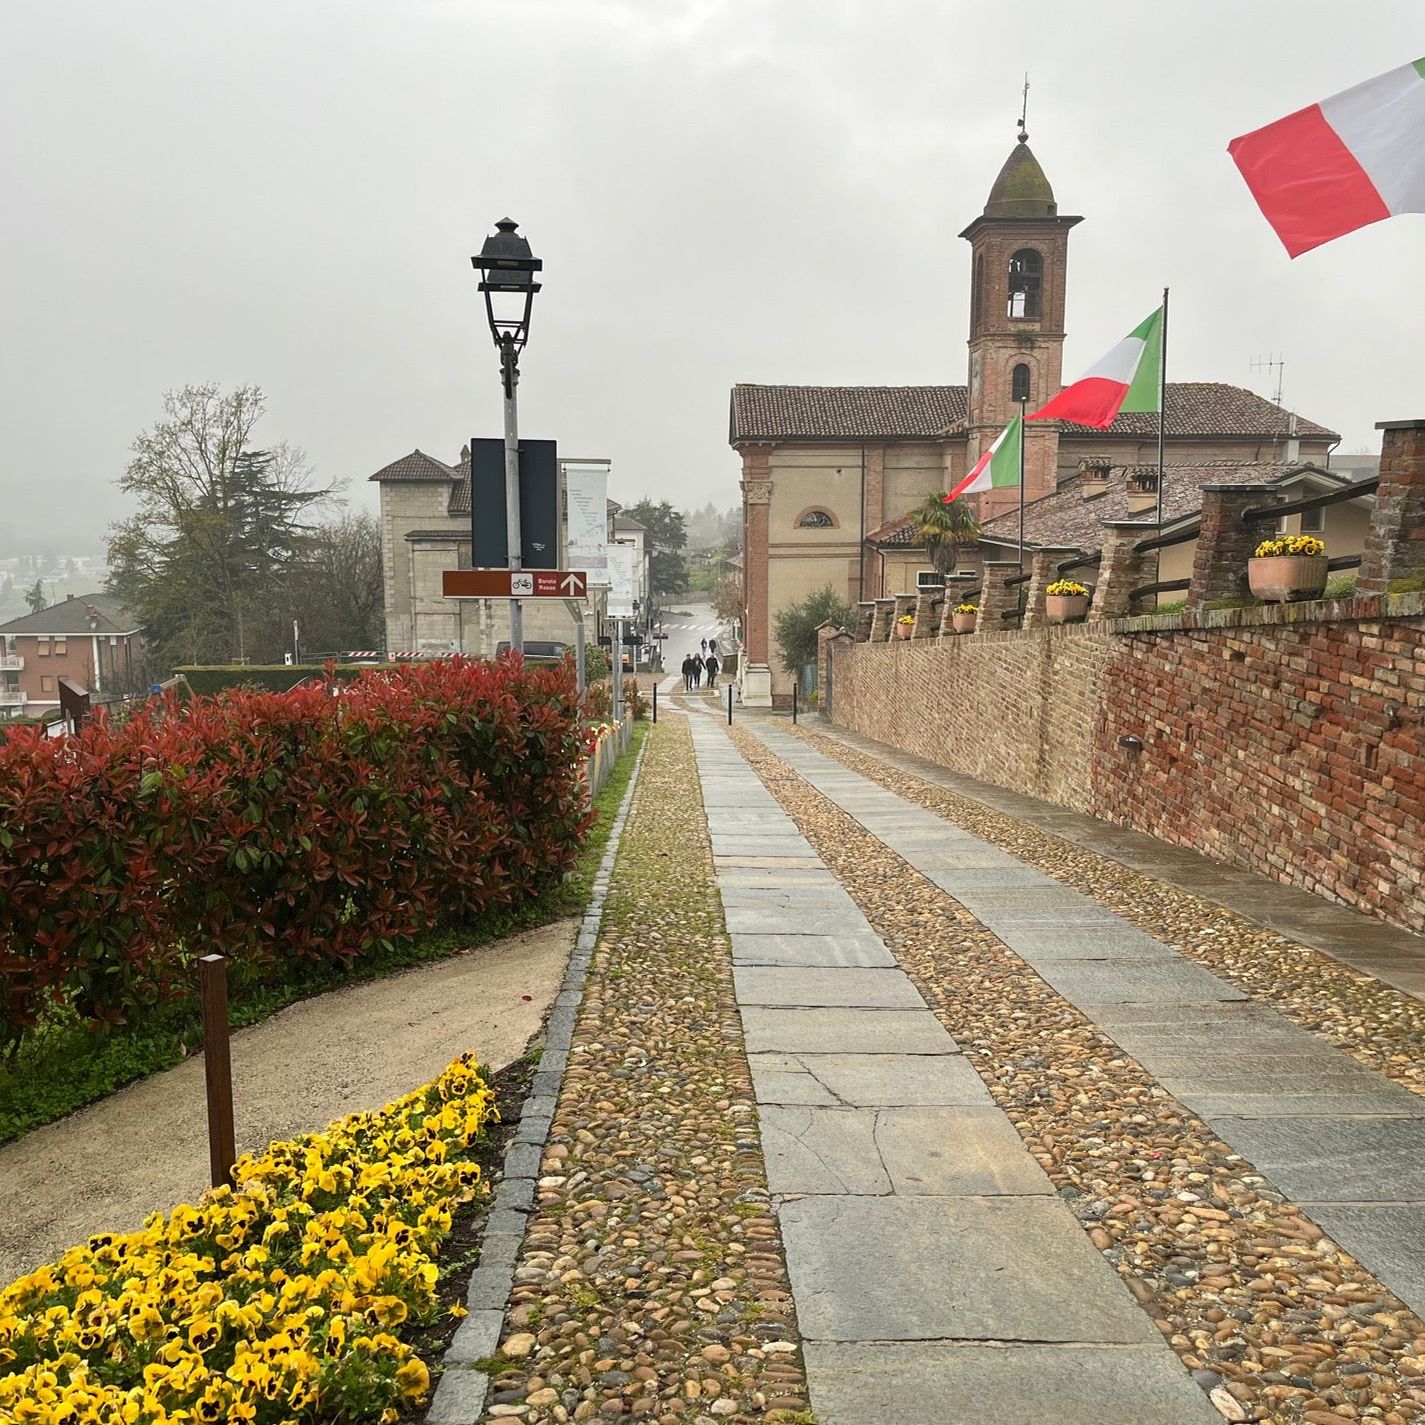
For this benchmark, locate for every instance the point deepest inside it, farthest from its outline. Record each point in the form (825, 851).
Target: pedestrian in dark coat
(697, 670)
(712, 665)
(687, 672)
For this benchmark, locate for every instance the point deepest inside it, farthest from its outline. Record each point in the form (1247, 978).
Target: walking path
(1037, 1137)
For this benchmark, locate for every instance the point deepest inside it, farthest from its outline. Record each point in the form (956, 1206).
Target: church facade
(827, 470)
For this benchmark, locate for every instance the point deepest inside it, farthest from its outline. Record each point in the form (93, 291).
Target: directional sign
(514, 583)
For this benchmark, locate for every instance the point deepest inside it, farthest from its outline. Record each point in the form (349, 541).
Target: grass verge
(66, 1066)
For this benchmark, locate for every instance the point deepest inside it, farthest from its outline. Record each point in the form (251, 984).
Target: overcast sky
(288, 192)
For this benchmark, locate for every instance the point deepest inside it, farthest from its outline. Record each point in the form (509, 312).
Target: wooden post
(217, 1068)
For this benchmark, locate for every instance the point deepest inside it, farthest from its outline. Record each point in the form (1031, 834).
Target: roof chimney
(1142, 487)
(1093, 477)
(1293, 445)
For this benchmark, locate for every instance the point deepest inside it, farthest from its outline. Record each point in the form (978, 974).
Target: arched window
(816, 519)
(977, 295)
(1019, 383)
(1026, 278)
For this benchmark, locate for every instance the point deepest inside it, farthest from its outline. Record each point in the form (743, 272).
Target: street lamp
(507, 269)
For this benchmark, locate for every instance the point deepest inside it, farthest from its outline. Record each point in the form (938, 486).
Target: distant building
(90, 638)
(829, 471)
(425, 530)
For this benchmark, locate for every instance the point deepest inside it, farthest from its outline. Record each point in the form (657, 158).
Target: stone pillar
(1225, 541)
(995, 599)
(904, 604)
(1043, 571)
(756, 670)
(1395, 546)
(955, 586)
(825, 632)
(881, 624)
(865, 617)
(927, 613)
(874, 484)
(834, 645)
(1121, 568)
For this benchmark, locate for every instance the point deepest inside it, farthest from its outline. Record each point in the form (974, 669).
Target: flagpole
(1023, 406)
(1162, 419)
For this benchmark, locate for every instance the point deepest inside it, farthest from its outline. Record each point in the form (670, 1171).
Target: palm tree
(945, 526)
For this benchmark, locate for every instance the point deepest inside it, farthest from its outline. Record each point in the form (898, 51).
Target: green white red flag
(1342, 164)
(1127, 379)
(997, 467)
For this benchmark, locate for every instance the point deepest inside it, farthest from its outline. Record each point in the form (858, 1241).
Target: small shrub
(1341, 586)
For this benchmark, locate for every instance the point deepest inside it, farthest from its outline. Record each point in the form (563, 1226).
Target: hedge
(274, 677)
(277, 828)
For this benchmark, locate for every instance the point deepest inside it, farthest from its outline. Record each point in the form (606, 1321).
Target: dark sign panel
(539, 504)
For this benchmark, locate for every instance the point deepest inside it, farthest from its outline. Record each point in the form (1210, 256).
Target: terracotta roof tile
(71, 616)
(415, 466)
(1066, 518)
(1195, 408)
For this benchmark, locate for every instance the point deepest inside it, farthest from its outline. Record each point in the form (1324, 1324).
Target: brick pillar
(874, 458)
(955, 586)
(995, 599)
(927, 613)
(1225, 541)
(1395, 546)
(756, 673)
(904, 604)
(1043, 571)
(865, 617)
(881, 624)
(1122, 569)
(825, 633)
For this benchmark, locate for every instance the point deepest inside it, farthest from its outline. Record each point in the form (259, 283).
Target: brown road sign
(514, 583)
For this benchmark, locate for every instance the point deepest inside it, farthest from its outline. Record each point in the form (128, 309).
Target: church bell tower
(1019, 251)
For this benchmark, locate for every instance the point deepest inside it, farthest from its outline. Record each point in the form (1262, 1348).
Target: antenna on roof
(1024, 110)
(1272, 363)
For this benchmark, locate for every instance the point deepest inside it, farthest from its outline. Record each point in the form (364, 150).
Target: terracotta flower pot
(1066, 608)
(903, 630)
(964, 623)
(1288, 578)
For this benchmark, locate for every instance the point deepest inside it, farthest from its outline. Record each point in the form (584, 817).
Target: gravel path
(650, 1284)
(145, 1148)
(1275, 1320)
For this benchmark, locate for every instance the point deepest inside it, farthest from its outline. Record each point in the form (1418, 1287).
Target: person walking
(687, 672)
(697, 670)
(704, 649)
(712, 665)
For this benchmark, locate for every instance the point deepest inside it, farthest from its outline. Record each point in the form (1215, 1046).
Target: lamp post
(507, 269)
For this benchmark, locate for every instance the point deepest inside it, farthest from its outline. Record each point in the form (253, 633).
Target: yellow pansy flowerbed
(279, 1299)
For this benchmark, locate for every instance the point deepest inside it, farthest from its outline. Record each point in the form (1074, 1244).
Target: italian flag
(996, 468)
(1341, 164)
(1126, 379)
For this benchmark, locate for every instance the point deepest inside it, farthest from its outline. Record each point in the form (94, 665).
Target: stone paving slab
(1085, 942)
(945, 1383)
(1334, 1159)
(845, 1031)
(933, 1268)
(847, 988)
(788, 920)
(1388, 1239)
(864, 949)
(806, 860)
(867, 1080)
(817, 898)
(942, 1151)
(1104, 981)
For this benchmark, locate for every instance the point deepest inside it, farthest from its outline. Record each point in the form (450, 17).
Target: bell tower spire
(1019, 251)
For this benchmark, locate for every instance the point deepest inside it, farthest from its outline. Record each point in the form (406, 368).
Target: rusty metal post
(217, 1068)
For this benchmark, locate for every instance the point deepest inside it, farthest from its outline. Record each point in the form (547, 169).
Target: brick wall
(1275, 739)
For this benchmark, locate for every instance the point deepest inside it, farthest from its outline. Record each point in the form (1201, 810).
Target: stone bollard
(1395, 546)
(1225, 541)
(996, 599)
(865, 617)
(1121, 568)
(1043, 571)
(881, 624)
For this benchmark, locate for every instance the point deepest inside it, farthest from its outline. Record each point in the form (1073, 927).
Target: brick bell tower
(1019, 254)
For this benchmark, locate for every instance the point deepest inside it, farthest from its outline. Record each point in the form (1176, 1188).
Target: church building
(830, 472)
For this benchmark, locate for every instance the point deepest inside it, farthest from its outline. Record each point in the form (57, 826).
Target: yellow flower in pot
(904, 624)
(1288, 569)
(963, 617)
(1066, 601)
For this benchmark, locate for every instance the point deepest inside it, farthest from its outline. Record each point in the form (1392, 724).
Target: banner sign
(539, 504)
(622, 560)
(587, 493)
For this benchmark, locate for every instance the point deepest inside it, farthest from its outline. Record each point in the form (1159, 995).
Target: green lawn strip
(67, 1066)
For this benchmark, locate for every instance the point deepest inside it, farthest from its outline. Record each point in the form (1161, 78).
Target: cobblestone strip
(1273, 1318)
(1382, 1027)
(650, 1284)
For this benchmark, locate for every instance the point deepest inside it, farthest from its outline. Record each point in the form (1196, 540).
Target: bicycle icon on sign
(521, 584)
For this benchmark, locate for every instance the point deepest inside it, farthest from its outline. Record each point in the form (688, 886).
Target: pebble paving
(1382, 1027)
(651, 1285)
(1275, 1321)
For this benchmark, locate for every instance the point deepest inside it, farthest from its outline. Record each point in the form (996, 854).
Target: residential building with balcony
(92, 639)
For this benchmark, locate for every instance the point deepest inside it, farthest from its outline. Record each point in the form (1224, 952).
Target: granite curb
(460, 1395)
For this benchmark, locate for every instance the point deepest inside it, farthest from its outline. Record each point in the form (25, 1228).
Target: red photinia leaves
(278, 828)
